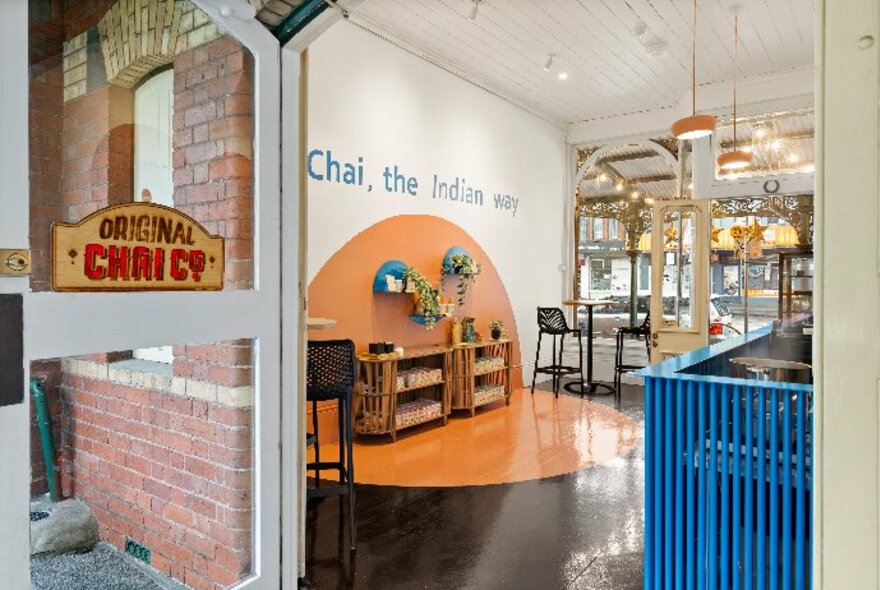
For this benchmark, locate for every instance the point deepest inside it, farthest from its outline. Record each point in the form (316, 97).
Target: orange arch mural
(343, 288)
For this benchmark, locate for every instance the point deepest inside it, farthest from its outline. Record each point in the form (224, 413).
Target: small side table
(588, 387)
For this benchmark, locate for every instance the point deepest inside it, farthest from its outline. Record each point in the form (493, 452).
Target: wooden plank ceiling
(610, 72)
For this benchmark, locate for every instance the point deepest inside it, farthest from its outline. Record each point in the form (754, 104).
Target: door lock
(15, 262)
(654, 342)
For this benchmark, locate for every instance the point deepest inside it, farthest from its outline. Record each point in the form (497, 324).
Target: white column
(847, 342)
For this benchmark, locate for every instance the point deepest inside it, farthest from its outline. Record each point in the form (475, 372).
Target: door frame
(294, 292)
(72, 324)
(846, 499)
(675, 339)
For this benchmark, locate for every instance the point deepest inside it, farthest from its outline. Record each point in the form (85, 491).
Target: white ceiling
(610, 72)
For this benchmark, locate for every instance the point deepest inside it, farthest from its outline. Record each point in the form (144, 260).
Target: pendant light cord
(694, 64)
(735, 69)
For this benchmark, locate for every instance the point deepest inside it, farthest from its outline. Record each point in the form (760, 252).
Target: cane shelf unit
(481, 374)
(385, 404)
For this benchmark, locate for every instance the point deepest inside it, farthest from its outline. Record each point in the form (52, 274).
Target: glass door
(679, 277)
(175, 456)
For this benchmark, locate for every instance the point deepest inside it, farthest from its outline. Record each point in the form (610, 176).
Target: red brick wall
(44, 119)
(98, 154)
(80, 15)
(172, 472)
(213, 148)
(227, 364)
(45, 36)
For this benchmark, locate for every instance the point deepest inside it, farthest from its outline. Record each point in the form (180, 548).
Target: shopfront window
(750, 242)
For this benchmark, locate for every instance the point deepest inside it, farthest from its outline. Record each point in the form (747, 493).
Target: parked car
(720, 318)
(607, 319)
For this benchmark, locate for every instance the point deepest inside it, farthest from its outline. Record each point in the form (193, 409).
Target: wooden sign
(136, 247)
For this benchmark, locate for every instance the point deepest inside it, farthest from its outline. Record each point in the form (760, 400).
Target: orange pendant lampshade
(735, 159)
(696, 125)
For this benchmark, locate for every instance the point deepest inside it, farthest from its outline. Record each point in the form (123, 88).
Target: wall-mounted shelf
(420, 319)
(447, 260)
(395, 268)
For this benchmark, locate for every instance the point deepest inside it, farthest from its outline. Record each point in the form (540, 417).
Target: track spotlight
(475, 8)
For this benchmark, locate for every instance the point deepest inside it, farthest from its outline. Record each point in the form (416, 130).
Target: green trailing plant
(466, 268)
(429, 297)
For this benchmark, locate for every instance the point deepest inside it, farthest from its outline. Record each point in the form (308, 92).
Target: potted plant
(428, 303)
(467, 270)
(496, 326)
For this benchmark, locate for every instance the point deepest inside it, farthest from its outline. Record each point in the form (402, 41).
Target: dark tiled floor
(576, 531)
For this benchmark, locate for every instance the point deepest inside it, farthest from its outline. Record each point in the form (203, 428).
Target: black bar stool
(330, 375)
(619, 366)
(551, 321)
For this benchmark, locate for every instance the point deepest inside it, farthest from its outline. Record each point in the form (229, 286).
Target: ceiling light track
(475, 9)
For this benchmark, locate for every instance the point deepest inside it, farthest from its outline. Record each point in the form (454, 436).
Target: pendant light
(735, 159)
(696, 125)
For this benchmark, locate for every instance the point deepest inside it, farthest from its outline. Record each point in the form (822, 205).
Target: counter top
(677, 367)
(408, 353)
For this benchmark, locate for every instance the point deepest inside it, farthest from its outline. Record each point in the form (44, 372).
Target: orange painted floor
(535, 437)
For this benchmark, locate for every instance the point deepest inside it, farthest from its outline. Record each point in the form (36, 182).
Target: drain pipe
(47, 440)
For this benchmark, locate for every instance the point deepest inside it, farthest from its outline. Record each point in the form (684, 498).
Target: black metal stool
(619, 366)
(331, 375)
(551, 321)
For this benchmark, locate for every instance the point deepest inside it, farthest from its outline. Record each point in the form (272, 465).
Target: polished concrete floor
(581, 530)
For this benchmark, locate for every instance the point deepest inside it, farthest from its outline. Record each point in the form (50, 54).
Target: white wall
(370, 99)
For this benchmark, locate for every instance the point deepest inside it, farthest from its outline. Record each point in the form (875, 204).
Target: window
(153, 110)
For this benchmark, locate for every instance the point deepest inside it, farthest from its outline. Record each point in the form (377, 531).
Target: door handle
(654, 337)
(15, 262)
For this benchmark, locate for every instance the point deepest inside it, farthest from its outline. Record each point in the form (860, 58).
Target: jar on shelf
(456, 331)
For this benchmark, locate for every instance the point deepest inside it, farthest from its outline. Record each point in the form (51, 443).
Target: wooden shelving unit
(477, 380)
(383, 406)
(796, 271)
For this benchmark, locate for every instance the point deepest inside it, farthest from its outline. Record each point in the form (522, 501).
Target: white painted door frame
(847, 338)
(67, 324)
(673, 340)
(14, 230)
(294, 294)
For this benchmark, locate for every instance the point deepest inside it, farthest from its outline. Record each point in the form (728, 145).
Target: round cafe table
(588, 386)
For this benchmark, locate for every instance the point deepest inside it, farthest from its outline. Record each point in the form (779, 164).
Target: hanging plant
(428, 296)
(466, 268)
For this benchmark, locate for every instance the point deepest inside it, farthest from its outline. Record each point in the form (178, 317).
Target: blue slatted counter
(728, 469)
